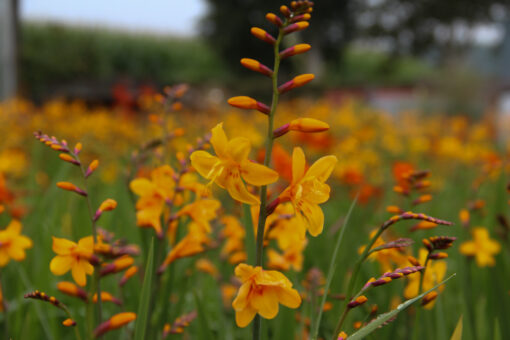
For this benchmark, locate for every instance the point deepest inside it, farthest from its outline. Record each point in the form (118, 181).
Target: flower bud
(116, 321)
(256, 66)
(297, 26)
(308, 125)
(285, 11)
(71, 289)
(118, 265)
(429, 298)
(358, 301)
(108, 205)
(71, 187)
(68, 158)
(92, 167)
(294, 50)
(244, 102)
(69, 322)
(128, 274)
(298, 81)
(274, 19)
(259, 33)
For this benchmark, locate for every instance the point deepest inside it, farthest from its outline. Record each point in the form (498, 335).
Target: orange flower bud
(308, 125)
(69, 322)
(77, 148)
(92, 167)
(259, 33)
(107, 297)
(358, 301)
(116, 321)
(438, 256)
(2, 208)
(256, 66)
(297, 26)
(244, 102)
(274, 19)
(298, 81)
(293, 50)
(301, 17)
(68, 158)
(429, 298)
(342, 336)
(71, 289)
(464, 217)
(128, 274)
(393, 209)
(71, 187)
(357, 325)
(285, 11)
(177, 106)
(118, 265)
(108, 205)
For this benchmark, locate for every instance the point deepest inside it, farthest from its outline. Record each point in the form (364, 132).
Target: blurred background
(449, 56)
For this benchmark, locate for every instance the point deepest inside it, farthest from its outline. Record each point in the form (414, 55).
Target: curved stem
(352, 281)
(267, 161)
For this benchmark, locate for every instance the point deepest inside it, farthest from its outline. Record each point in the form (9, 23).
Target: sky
(158, 16)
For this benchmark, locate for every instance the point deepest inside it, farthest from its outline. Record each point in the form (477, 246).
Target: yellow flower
(482, 247)
(154, 194)
(261, 292)
(307, 189)
(387, 258)
(12, 244)
(73, 256)
(292, 257)
(434, 273)
(201, 212)
(231, 166)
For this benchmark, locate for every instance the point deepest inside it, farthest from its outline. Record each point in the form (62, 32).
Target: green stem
(267, 161)
(352, 281)
(97, 282)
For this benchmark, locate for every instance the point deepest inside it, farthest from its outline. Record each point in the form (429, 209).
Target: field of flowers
(286, 220)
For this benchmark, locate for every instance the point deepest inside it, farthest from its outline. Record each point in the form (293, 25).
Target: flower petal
(266, 302)
(61, 246)
(219, 141)
(78, 272)
(239, 148)
(322, 168)
(289, 297)
(314, 216)
(203, 162)
(60, 265)
(142, 186)
(236, 188)
(298, 164)
(257, 174)
(244, 316)
(241, 300)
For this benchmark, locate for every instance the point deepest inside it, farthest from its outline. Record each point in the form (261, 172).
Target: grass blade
(143, 306)
(205, 329)
(381, 319)
(457, 333)
(332, 268)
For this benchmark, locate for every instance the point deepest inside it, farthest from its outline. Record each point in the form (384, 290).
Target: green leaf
(457, 333)
(381, 319)
(332, 268)
(143, 306)
(204, 329)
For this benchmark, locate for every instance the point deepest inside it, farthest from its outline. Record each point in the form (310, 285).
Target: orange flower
(308, 189)
(261, 292)
(13, 244)
(73, 256)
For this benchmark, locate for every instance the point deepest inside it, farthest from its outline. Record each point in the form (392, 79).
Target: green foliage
(145, 297)
(55, 56)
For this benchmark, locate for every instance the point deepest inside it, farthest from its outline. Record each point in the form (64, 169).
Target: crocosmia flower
(308, 189)
(261, 292)
(231, 166)
(13, 244)
(482, 248)
(74, 257)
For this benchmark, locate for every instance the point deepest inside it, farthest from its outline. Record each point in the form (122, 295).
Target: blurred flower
(482, 247)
